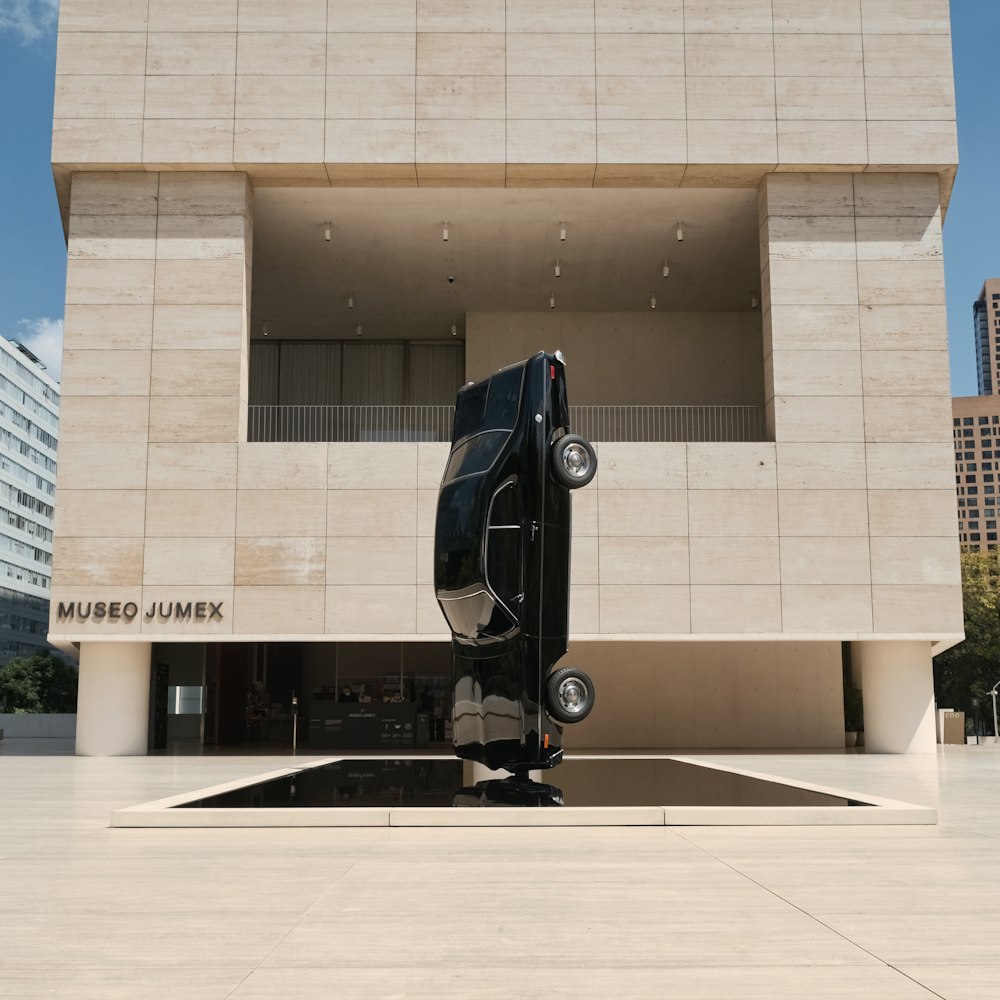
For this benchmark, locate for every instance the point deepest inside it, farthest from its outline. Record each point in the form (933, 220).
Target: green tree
(964, 674)
(43, 682)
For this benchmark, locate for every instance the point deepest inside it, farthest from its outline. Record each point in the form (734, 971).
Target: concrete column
(898, 688)
(113, 702)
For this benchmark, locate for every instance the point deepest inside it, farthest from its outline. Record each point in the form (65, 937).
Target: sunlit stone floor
(897, 913)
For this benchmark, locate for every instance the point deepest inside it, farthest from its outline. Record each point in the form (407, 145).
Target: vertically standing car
(502, 565)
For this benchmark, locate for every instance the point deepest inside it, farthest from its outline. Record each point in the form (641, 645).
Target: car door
(505, 550)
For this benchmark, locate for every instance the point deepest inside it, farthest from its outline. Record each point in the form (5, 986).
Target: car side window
(503, 547)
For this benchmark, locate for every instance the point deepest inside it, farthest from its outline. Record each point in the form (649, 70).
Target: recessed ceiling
(386, 251)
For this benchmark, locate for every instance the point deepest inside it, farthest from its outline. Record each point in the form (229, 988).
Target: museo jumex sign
(128, 611)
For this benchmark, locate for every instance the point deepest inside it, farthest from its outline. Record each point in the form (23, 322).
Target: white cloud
(44, 338)
(31, 19)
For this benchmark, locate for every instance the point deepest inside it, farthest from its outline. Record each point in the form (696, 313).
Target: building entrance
(351, 696)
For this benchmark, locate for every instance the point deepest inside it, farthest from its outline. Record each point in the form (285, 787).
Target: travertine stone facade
(154, 384)
(813, 534)
(857, 363)
(516, 92)
(840, 527)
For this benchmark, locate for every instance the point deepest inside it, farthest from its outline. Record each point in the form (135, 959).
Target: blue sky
(33, 252)
(32, 248)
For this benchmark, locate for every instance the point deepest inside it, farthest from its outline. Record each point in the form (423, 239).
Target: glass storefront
(350, 696)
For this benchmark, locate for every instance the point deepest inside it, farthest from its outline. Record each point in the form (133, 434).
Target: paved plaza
(897, 913)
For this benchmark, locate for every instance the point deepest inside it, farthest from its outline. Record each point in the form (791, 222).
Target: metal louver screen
(310, 373)
(263, 386)
(435, 374)
(375, 374)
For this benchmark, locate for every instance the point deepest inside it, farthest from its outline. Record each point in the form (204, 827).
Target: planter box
(55, 726)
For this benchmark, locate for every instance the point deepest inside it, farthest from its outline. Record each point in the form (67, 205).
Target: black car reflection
(509, 792)
(501, 565)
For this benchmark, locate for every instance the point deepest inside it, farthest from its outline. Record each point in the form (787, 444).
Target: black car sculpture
(502, 565)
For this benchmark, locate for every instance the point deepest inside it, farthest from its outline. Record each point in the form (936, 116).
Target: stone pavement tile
(591, 979)
(631, 923)
(979, 819)
(970, 936)
(965, 982)
(101, 914)
(598, 854)
(772, 840)
(289, 845)
(109, 940)
(862, 871)
(31, 890)
(179, 980)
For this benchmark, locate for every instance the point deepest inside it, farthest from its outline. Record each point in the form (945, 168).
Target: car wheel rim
(573, 695)
(576, 461)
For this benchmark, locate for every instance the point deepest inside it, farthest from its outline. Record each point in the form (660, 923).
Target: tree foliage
(43, 682)
(964, 674)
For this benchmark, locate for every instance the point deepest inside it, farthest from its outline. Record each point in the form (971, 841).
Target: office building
(976, 429)
(295, 227)
(986, 323)
(974, 424)
(29, 427)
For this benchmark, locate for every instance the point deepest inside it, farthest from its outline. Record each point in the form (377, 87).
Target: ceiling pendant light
(328, 231)
(754, 301)
(680, 232)
(359, 331)
(558, 269)
(265, 330)
(562, 232)
(552, 300)
(666, 268)
(454, 330)
(652, 300)
(350, 300)
(444, 231)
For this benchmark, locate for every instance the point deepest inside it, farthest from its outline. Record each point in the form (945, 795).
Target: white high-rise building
(29, 427)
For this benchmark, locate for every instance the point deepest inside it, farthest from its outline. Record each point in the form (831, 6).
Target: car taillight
(552, 373)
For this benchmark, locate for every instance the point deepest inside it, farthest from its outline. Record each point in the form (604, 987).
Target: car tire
(569, 695)
(574, 461)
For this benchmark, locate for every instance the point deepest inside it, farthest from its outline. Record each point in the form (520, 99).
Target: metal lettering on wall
(160, 611)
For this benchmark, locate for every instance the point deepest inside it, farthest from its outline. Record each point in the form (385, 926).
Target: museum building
(295, 227)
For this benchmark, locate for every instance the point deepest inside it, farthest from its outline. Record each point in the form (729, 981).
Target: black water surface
(619, 781)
